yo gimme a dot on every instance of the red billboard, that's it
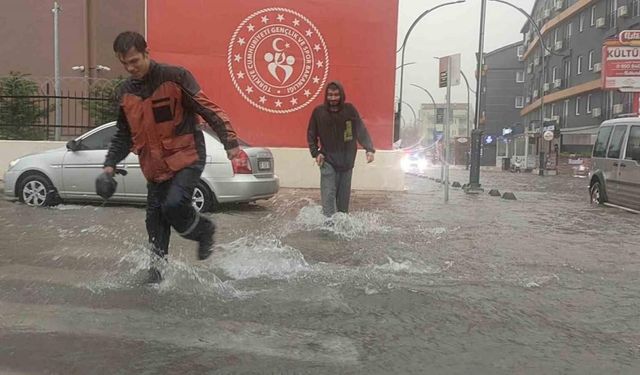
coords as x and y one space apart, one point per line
267 62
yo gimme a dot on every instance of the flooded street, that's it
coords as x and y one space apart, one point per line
405 284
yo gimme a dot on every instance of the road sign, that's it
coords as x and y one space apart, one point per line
445 74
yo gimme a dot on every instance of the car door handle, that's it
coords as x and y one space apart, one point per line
615 164
623 165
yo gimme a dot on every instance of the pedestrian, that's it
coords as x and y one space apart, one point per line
338 126
159 110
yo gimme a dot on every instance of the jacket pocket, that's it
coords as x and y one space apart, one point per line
180 152
162 110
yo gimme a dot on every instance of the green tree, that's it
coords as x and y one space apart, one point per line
103 105
21 114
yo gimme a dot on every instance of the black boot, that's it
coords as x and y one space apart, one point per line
154 277
205 241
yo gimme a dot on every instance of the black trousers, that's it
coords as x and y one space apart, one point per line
169 205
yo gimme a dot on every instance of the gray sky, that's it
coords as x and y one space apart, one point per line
446 31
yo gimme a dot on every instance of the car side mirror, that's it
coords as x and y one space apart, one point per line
635 154
73 145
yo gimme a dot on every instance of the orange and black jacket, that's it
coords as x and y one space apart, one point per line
158 121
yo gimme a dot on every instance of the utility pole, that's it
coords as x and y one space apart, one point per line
56 62
447 131
474 186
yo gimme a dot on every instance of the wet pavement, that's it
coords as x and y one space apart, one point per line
405 284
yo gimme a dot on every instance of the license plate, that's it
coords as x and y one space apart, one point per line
264 165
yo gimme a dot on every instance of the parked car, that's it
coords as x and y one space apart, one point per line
69 173
614 178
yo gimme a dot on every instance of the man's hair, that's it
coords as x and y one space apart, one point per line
125 40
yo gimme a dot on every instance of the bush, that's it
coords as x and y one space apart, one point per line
21 114
103 107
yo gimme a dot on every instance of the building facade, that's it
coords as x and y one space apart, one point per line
562 86
501 99
86 31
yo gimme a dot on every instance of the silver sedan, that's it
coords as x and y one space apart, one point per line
69 173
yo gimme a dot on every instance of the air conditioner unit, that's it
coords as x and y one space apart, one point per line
546 13
535 93
558 45
601 23
558 4
595 112
623 11
557 83
545 87
555 118
618 108
597 67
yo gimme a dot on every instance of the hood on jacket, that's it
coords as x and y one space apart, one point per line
338 85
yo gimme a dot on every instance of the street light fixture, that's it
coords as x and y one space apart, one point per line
404 44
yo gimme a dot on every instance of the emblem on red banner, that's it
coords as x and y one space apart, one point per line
278 60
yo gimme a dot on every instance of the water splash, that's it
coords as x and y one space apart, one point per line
410 267
349 226
131 271
259 256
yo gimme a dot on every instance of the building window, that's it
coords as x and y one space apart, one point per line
613 13
520 51
579 65
578 106
553 109
636 8
519 77
591 59
566 111
581 26
570 29
556 35
519 101
567 72
589 103
593 15
554 73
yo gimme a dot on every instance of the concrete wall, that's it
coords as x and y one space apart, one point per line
294 166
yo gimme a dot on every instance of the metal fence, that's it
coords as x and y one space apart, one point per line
33 117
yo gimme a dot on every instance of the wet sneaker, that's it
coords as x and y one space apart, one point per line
154 277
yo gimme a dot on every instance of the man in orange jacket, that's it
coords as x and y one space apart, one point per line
158 121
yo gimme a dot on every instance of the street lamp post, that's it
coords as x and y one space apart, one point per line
404 44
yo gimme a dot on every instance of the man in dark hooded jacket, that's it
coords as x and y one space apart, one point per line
338 126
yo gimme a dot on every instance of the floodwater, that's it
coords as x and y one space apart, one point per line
404 284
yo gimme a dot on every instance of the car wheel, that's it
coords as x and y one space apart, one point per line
597 197
203 199
37 191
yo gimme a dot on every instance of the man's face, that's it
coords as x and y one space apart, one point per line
333 97
135 63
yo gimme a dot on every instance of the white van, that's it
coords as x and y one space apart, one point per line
615 172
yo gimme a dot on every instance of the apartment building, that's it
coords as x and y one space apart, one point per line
562 85
501 99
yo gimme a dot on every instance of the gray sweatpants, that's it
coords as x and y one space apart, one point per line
335 189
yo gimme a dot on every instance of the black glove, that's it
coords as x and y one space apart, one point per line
106 185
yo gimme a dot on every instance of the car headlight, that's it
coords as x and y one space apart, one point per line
13 163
